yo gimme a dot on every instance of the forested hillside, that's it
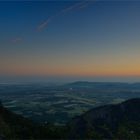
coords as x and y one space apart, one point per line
121 121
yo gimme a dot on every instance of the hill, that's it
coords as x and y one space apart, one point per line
13 126
103 85
121 121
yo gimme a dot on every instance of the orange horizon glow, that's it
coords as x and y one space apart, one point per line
75 71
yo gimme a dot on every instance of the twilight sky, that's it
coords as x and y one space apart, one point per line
70 38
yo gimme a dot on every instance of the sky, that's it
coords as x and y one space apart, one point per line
96 40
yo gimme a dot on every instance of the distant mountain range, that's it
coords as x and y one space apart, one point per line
102 85
121 121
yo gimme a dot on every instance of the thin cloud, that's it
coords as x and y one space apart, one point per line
16 40
78 5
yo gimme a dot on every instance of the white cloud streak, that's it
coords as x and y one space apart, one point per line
78 5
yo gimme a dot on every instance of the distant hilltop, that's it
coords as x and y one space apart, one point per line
100 85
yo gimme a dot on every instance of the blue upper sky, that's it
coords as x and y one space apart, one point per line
70 38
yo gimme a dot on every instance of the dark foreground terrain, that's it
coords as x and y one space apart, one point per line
121 121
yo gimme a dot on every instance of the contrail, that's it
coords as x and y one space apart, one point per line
84 6
77 5
63 11
44 24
